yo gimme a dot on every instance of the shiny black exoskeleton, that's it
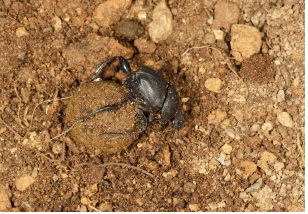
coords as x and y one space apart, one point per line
154 96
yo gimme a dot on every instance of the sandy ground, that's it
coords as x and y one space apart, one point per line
238 67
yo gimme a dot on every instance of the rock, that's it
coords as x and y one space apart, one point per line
189 187
58 148
105 207
230 132
56 23
226 14
266 159
264 198
249 167
278 166
226 149
194 207
256 186
267 127
21 31
24 182
109 12
85 201
227 177
245 41
170 174
216 116
255 127
213 84
280 96
167 155
36 141
268 156
285 119
161 26
5 203
145 46
219 34
258 18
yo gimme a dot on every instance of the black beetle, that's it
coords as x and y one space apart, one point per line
153 95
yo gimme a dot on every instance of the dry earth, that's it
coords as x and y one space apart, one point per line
238 67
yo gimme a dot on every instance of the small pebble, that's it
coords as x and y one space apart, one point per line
189 187
266 127
285 119
245 41
230 132
216 116
280 96
24 182
255 127
5 202
21 31
56 23
256 186
249 167
171 174
226 14
161 26
213 84
227 149
109 12
194 207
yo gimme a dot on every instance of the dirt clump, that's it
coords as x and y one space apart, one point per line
257 69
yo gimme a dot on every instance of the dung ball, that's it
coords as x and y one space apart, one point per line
89 134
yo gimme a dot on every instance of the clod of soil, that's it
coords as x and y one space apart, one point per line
257 69
129 29
88 134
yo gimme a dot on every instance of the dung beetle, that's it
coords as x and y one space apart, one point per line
153 95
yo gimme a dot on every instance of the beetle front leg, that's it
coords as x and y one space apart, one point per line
99 71
123 65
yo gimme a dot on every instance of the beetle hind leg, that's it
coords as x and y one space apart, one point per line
112 107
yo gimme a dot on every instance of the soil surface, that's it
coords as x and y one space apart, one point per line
242 145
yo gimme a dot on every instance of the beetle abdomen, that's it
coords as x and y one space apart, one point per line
170 106
152 87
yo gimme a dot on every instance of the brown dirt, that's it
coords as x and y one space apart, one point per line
240 149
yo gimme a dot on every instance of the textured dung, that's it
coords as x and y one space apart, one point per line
91 96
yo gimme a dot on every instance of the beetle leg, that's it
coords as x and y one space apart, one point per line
142 119
98 72
123 64
105 108
178 120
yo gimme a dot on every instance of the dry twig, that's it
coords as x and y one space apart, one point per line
11 129
45 101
